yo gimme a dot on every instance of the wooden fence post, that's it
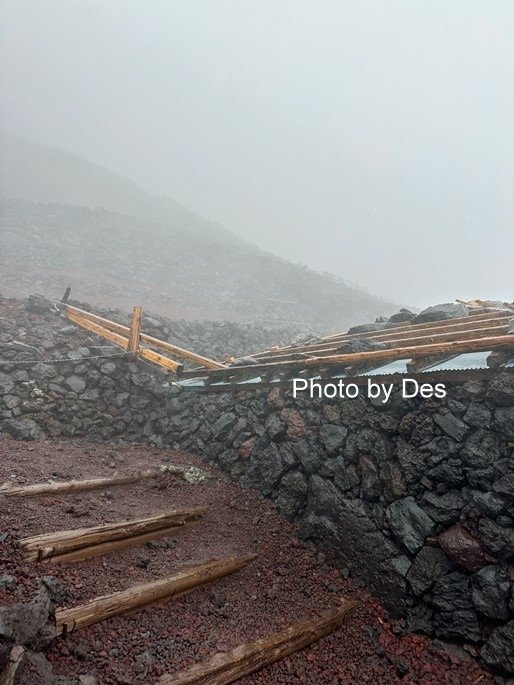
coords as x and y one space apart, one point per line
135 331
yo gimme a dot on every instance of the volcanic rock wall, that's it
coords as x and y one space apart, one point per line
416 496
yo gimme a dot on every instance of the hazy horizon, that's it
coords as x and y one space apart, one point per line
372 141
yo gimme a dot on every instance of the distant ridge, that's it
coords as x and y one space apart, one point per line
65 221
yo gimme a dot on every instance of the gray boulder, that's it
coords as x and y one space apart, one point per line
332 437
22 429
429 565
441 312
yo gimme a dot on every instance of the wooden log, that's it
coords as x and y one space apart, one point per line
135 331
227 667
144 594
54 488
189 473
107 547
52 545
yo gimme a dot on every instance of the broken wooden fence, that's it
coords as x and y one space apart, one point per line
130 338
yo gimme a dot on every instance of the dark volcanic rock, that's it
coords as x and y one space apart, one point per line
463 548
498 651
403 316
441 312
429 565
22 429
332 437
491 589
291 494
409 523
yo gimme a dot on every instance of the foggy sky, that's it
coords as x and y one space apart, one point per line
371 139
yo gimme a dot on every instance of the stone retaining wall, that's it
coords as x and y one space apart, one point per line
416 496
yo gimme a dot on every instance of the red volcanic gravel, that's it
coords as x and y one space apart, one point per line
288 580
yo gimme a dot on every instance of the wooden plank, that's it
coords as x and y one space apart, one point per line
455 347
135 331
144 594
116 338
160 360
182 353
472 319
46 545
389 336
227 667
402 342
150 340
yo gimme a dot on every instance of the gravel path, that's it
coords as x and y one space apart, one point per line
287 581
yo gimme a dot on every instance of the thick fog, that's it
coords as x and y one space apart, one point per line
371 139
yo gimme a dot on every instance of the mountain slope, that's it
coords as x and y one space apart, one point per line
64 222
43 174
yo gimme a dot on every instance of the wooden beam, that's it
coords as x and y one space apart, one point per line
160 360
227 667
144 594
182 353
135 331
402 342
150 340
455 347
57 545
471 319
84 322
390 336
122 341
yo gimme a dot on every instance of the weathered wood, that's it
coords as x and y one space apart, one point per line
144 594
56 544
107 547
135 331
76 485
227 667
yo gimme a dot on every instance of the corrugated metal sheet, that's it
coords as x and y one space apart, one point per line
462 362
397 366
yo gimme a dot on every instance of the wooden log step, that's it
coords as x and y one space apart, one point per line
54 487
80 543
227 667
145 594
